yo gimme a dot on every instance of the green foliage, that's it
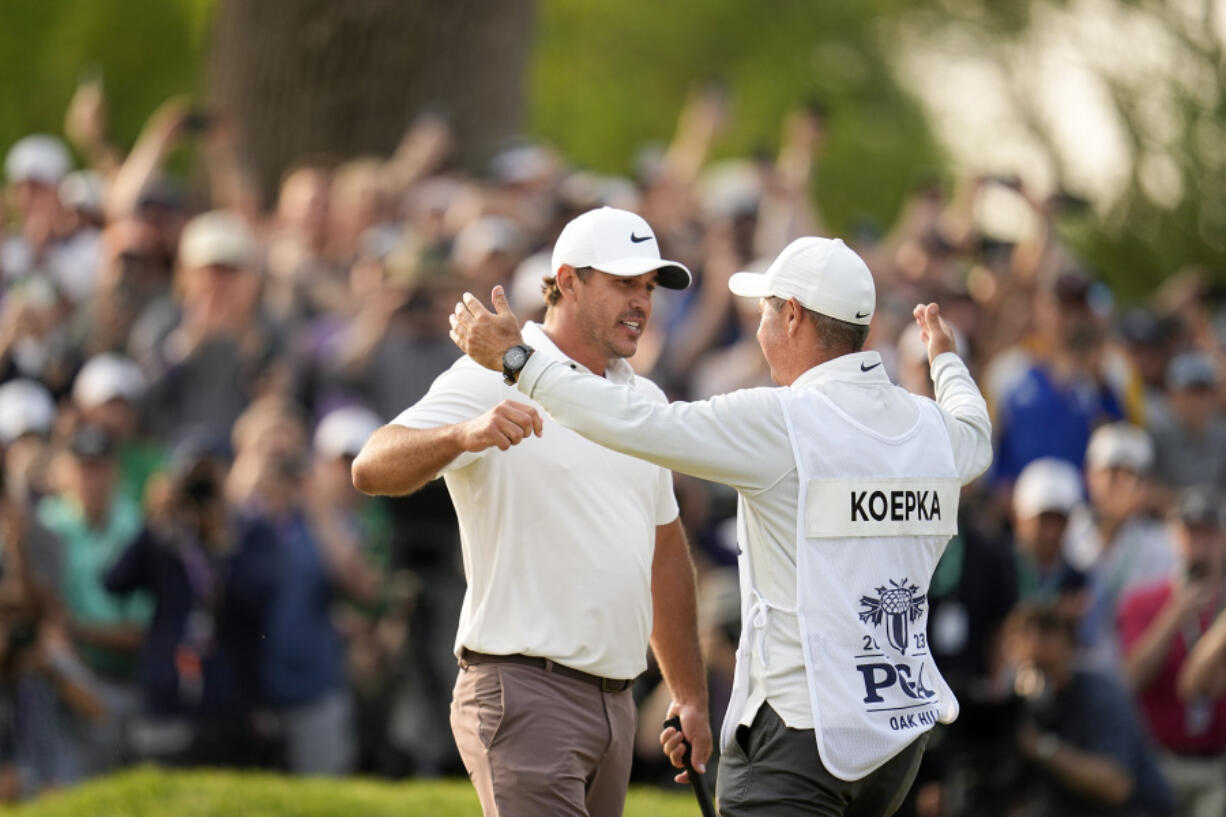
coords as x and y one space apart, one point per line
610 77
145 50
150 792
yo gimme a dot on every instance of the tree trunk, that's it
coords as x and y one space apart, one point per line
344 77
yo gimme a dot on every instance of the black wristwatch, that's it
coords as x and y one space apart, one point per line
514 360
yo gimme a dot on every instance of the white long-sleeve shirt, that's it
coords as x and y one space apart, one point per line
740 439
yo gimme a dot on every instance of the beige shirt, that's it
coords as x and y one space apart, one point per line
558 533
741 439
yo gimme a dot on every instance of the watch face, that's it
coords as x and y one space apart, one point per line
515 357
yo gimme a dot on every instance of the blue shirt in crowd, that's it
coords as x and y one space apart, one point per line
302 651
1039 417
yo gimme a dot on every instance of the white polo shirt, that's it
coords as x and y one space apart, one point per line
558 533
741 439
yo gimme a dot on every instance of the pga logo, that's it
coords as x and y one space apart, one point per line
879 677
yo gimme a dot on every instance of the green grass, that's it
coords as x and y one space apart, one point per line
148 792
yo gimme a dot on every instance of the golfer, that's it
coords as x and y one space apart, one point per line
574 553
848 495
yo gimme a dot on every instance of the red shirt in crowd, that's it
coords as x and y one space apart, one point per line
1195 727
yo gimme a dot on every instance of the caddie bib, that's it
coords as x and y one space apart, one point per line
875 514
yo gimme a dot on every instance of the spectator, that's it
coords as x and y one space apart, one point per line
302 661
1159 624
133 271
1086 748
208 571
1115 540
1047 491
209 353
35 166
1190 443
27 415
96 522
109 392
1051 404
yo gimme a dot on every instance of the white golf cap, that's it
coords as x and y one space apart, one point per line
344 431
824 274
107 377
216 238
1120 445
1047 485
26 407
82 190
617 242
37 158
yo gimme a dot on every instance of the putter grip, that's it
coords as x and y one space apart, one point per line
696 781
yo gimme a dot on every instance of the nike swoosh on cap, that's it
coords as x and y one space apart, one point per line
639 239
864 368
860 315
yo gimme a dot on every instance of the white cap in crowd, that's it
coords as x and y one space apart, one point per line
344 431
1120 445
482 237
82 190
525 291
1190 370
37 158
26 407
216 238
824 274
617 242
1047 485
107 377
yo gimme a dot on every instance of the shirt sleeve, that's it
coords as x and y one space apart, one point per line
457 395
739 439
666 499
966 415
132 570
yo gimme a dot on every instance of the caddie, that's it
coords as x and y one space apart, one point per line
849 490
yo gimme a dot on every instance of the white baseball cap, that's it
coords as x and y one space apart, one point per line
216 238
1047 485
26 407
824 274
106 377
37 158
1120 445
344 431
82 190
617 242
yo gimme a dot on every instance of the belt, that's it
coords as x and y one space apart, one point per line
469 658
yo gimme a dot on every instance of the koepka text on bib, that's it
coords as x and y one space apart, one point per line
846 508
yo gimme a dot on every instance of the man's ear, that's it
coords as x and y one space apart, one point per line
793 316
566 279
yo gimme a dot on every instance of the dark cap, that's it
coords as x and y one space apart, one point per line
199 444
1199 506
91 442
1140 327
1072 287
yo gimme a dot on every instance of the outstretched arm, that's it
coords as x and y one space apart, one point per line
737 439
966 412
397 460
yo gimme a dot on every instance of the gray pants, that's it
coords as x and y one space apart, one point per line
773 769
319 735
537 743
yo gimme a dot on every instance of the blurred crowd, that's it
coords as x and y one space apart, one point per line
187 575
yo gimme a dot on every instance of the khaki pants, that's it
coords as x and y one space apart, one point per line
1199 784
537 743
